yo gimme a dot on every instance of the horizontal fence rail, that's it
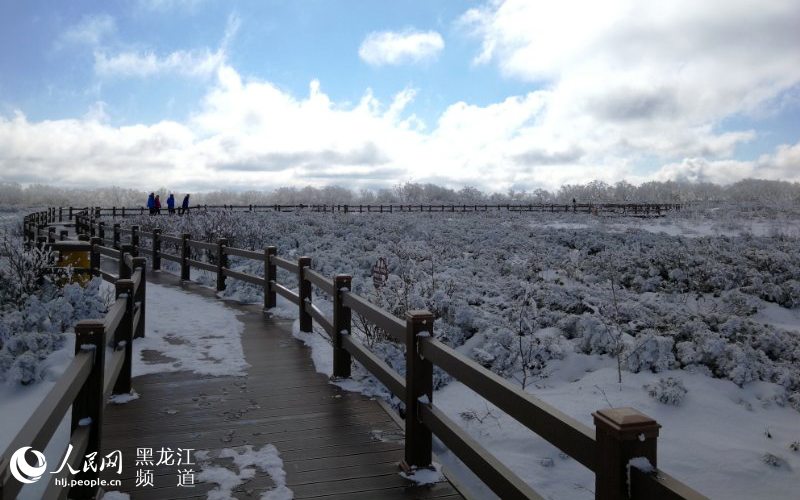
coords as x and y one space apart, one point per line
619 434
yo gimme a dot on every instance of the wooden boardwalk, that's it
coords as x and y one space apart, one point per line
333 443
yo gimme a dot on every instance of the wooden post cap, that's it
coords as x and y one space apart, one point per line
419 315
626 423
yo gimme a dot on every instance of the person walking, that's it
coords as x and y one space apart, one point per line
157 205
151 203
185 204
171 204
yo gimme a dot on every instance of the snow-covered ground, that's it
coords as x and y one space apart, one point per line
724 440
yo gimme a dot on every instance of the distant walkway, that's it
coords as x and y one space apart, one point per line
333 443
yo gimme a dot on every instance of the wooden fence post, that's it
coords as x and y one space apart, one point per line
70 213
123 337
270 277
87 410
304 292
101 232
113 212
135 240
140 297
51 234
124 270
622 434
94 255
419 385
342 317
222 261
185 257
115 243
60 214
156 249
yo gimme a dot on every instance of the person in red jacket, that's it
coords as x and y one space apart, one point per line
158 205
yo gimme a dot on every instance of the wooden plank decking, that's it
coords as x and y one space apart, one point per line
334 444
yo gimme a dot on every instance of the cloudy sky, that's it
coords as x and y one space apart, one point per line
204 94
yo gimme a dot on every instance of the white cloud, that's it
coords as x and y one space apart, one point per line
783 164
632 79
392 47
97 112
165 5
249 134
91 30
192 63
202 63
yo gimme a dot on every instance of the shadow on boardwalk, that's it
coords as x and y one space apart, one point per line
333 443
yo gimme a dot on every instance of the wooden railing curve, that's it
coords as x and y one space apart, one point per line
88 380
619 435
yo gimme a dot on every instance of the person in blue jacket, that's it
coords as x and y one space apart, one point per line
151 203
171 203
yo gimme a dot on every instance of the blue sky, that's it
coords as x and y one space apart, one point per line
495 94
286 42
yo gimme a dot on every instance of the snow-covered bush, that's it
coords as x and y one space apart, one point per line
669 391
594 336
650 352
676 301
25 369
23 272
35 312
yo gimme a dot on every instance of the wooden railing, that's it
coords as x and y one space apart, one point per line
67 214
618 436
88 380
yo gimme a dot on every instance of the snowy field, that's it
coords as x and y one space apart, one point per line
700 309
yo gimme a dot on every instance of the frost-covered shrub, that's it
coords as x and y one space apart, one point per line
594 336
23 272
25 369
650 352
794 400
740 303
6 360
669 391
471 269
35 312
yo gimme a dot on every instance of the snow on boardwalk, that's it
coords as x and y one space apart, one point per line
219 379
185 331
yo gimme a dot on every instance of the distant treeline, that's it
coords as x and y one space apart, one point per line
748 190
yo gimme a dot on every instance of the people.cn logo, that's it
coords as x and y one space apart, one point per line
22 470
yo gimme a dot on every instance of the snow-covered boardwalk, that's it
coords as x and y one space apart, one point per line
278 430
